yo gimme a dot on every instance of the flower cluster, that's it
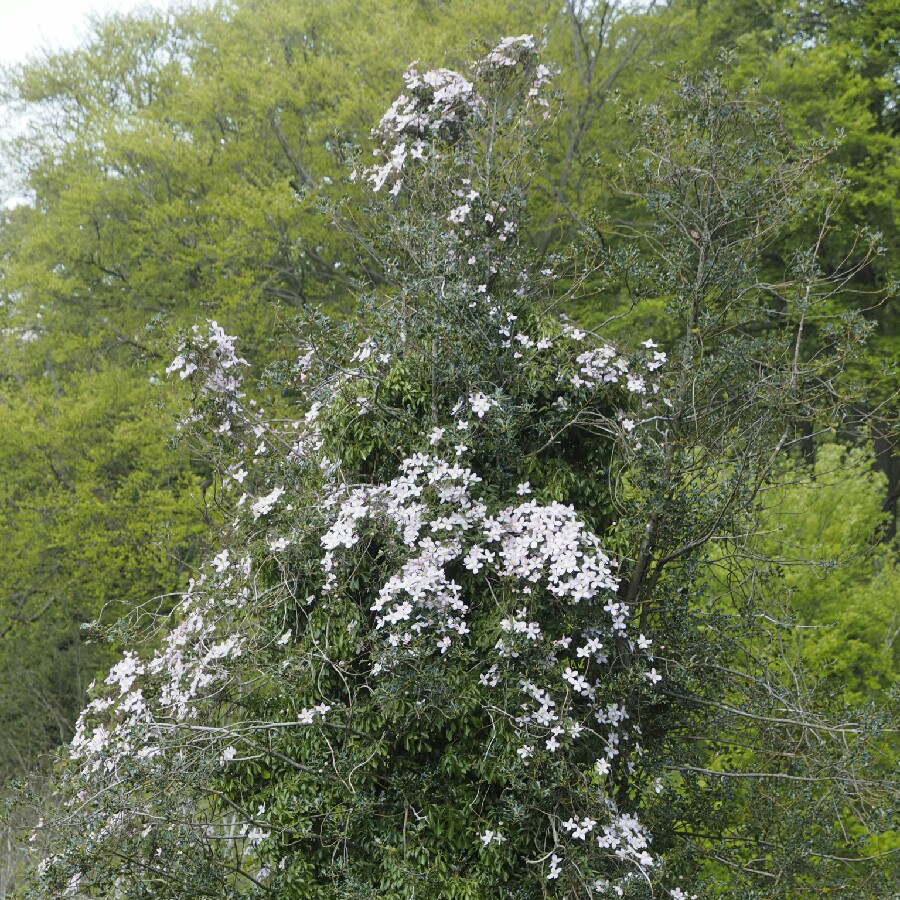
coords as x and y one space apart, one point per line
603 365
435 104
511 51
439 521
538 552
155 695
438 104
521 51
215 353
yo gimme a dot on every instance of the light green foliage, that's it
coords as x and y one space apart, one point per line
839 581
177 180
167 180
96 518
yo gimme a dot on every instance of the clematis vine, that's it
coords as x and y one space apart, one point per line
420 608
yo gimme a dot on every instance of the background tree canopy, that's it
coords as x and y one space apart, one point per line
194 165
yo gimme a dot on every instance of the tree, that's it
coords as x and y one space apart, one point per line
832 67
462 638
760 362
167 184
88 517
